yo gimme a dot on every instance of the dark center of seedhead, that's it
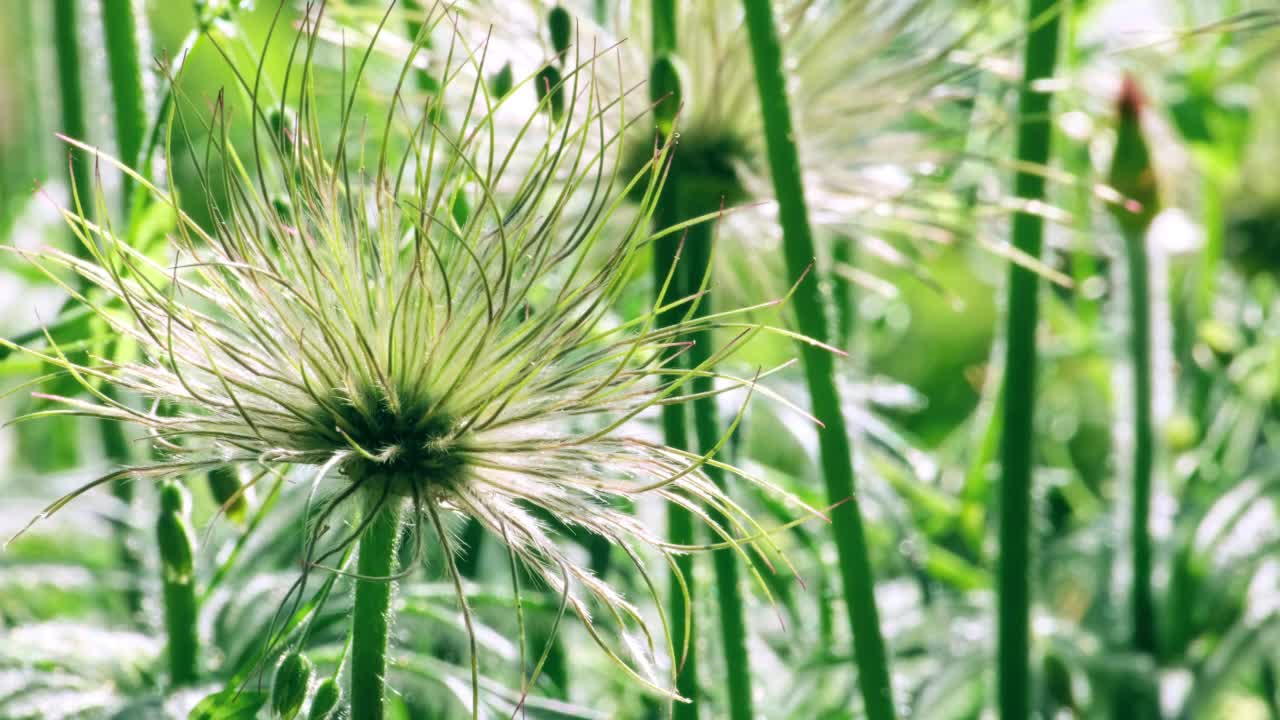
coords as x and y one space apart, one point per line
704 170
410 444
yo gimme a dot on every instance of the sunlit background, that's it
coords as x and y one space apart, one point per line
921 319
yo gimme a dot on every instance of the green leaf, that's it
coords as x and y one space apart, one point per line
229 705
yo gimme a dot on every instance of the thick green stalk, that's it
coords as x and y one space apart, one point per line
177 561
1016 456
371 616
120 27
71 100
834 444
732 616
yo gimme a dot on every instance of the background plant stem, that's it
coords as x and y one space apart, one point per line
835 448
842 253
120 32
176 542
732 616
71 101
1143 604
120 28
675 434
181 623
675 431
371 616
1016 448
664 26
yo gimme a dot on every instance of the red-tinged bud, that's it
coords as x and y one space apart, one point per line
1132 174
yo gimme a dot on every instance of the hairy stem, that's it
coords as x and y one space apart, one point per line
1016 456
675 434
120 27
835 448
177 553
71 101
1133 176
1143 604
664 26
115 446
732 616
842 292
371 616
130 117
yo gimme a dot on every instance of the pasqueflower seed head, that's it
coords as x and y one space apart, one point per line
883 96
364 302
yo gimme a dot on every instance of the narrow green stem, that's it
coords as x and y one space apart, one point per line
834 443
1133 176
71 100
664 26
675 434
120 27
1214 220
180 619
1267 679
976 486
732 616
123 58
371 616
1016 456
26 162
177 543
1143 604
1212 214
115 445
842 253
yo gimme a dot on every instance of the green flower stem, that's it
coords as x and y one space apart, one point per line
1213 219
1018 438
733 626
675 434
120 28
664 27
71 101
371 617
177 553
675 430
842 253
1133 177
1143 603
835 449
115 445
130 117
